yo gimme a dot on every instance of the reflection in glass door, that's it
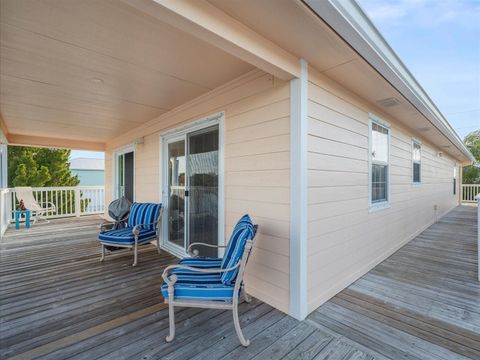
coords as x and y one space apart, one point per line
176 193
192 190
125 175
203 188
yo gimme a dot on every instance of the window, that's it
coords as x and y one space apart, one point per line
416 161
379 162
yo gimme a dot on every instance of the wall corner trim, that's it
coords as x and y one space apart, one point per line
298 193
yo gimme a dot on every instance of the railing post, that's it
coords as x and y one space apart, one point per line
478 235
77 202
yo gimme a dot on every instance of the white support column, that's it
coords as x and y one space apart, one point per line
298 193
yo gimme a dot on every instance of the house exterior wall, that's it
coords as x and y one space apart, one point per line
89 177
257 170
345 240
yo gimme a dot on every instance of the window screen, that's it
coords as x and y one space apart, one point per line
379 157
416 158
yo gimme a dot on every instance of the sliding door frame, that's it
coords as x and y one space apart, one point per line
116 153
177 134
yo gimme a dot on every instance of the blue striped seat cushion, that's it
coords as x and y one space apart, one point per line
242 232
202 262
125 236
144 213
203 287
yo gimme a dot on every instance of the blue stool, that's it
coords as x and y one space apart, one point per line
17 218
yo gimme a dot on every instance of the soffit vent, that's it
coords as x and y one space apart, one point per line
388 102
423 129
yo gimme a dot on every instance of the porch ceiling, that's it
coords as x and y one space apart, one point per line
91 70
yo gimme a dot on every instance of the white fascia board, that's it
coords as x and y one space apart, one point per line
348 20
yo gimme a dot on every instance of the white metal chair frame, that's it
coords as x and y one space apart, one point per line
239 291
37 208
136 232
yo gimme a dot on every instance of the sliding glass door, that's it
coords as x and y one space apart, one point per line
203 188
124 177
191 189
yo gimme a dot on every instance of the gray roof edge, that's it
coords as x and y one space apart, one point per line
350 21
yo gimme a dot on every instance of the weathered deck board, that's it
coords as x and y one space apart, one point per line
422 302
58 301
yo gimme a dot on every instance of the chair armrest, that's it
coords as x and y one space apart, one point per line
136 230
173 278
51 204
106 225
194 253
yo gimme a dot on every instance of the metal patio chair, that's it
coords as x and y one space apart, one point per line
38 209
198 284
143 226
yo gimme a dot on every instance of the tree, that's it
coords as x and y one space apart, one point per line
39 167
42 167
471 174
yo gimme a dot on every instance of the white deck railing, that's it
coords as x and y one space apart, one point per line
68 201
469 192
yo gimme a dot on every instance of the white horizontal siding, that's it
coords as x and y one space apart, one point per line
257 170
345 239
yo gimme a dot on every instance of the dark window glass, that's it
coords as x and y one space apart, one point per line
416 172
416 157
379 183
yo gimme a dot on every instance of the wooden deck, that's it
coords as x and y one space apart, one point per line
58 301
421 303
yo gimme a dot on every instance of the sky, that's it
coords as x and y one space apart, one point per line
87 154
439 42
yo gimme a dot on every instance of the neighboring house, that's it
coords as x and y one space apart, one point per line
296 112
91 172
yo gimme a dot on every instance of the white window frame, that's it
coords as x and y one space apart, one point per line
455 182
419 143
376 206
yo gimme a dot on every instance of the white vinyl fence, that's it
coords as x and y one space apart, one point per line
68 201
470 192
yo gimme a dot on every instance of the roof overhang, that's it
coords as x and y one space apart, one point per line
351 23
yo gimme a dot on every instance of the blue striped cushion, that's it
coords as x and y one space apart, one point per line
242 232
144 213
125 236
200 288
204 263
233 239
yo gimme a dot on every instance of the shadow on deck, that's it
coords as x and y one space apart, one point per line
58 301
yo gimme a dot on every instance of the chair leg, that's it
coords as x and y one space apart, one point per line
135 254
103 253
238 329
158 245
171 315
